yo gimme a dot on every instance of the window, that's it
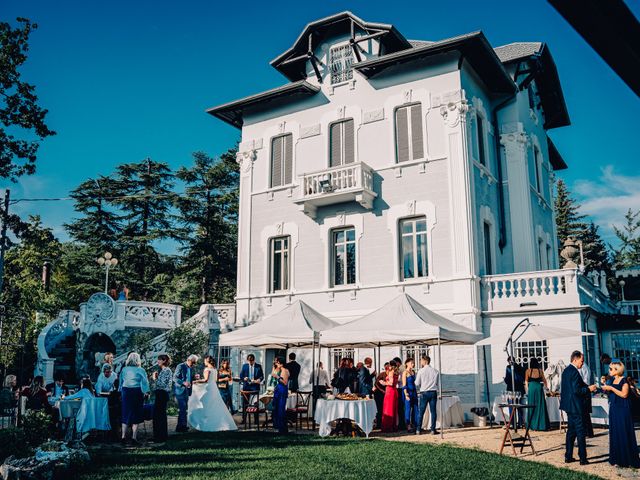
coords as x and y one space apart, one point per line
538 173
338 354
279 268
415 352
541 251
225 353
342 140
281 160
481 153
409 143
626 347
525 351
549 257
413 248
532 97
344 256
341 64
488 260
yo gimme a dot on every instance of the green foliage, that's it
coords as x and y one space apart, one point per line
185 340
13 442
628 254
20 113
37 427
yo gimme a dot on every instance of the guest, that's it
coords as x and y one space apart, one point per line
252 376
515 384
322 383
9 394
183 378
345 376
86 391
164 384
634 398
533 381
410 395
390 403
294 371
225 383
427 382
134 385
605 360
401 423
378 393
37 398
57 389
365 377
623 448
106 381
280 395
585 373
572 402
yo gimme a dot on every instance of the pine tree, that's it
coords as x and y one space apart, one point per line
209 211
145 199
569 222
628 254
596 253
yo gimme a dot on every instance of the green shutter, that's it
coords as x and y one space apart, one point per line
276 162
402 134
336 145
417 144
349 142
288 158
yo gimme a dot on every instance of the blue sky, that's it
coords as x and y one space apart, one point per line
127 80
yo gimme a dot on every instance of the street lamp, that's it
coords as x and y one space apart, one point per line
107 261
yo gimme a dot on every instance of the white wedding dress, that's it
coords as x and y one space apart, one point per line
207 411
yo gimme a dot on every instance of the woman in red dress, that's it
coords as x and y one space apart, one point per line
390 403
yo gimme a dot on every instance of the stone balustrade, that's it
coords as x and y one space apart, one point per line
630 307
151 314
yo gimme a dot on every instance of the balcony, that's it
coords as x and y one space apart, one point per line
347 183
630 307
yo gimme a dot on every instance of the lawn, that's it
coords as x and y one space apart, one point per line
245 455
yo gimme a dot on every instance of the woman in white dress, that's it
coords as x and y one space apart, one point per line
207 410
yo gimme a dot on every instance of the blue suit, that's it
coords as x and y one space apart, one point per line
573 397
245 372
183 373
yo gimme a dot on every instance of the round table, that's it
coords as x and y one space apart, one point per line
362 412
452 413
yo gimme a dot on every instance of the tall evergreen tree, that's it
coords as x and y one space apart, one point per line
569 222
99 226
628 253
596 253
145 199
209 211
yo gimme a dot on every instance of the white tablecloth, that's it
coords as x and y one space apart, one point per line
292 400
451 411
93 415
362 412
599 411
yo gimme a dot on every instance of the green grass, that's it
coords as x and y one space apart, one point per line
244 455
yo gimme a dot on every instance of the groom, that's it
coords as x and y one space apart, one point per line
182 380
251 376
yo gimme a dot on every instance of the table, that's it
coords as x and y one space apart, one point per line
526 438
267 398
362 412
452 413
599 411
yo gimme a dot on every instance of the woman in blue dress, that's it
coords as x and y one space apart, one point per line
280 395
623 448
410 395
134 385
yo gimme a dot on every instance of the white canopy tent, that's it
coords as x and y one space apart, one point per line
402 321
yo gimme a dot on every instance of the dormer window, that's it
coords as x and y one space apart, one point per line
341 64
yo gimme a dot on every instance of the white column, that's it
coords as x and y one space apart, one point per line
245 160
515 142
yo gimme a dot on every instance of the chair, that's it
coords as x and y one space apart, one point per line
252 409
302 409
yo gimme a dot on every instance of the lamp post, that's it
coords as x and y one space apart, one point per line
107 261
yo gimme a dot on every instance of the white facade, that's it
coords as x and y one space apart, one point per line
449 178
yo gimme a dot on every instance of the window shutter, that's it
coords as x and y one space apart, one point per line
276 162
349 142
336 145
402 135
288 159
417 144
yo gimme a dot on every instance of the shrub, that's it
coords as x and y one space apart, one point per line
13 442
37 427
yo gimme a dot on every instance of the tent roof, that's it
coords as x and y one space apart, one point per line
293 326
401 321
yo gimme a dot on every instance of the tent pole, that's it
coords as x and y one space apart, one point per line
440 388
486 385
313 369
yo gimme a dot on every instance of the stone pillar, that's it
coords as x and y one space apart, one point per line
245 160
515 142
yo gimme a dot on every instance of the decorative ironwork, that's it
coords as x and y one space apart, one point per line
341 64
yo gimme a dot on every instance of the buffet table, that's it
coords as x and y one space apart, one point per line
452 414
362 412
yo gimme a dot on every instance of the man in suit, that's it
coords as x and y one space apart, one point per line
365 377
573 396
251 376
294 372
182 381
515 383
57 388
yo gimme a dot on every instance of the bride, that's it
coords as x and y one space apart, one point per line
207 411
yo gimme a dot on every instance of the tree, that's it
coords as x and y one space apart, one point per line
596 253
146 199
98 227
20 114
209 211
628 254
569 222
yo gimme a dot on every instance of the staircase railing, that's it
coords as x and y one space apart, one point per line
63 326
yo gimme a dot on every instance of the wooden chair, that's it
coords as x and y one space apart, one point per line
302 410
252 409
